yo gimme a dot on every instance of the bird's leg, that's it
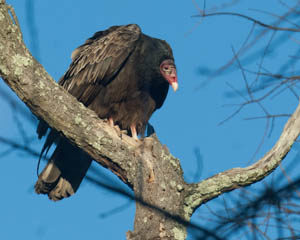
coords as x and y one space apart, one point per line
133 132
116 127
111 122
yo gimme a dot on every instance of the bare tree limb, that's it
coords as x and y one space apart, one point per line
20 70
239 177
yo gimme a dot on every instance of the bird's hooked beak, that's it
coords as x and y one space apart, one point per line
168 70
174 86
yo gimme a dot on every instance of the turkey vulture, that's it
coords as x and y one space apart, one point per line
121 74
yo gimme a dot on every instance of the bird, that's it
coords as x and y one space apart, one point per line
123 75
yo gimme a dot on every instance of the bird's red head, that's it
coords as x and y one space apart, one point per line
168 70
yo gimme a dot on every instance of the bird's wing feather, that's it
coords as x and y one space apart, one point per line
98 60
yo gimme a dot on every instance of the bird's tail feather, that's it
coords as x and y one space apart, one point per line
64 172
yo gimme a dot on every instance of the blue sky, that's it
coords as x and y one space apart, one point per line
188 120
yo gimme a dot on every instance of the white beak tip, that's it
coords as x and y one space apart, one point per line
174 86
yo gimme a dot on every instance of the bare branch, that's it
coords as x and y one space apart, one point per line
248 46
16 146
276 16
238 177
248 18
20 70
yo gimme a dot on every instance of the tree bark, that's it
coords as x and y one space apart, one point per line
165 202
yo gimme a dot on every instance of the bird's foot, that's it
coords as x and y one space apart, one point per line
133 132
111 122
117 129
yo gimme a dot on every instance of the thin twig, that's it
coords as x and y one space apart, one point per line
248 18
16 21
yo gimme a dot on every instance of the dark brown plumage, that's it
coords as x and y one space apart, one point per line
121 74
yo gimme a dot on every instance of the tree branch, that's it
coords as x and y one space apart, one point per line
203 14
28 79
241 177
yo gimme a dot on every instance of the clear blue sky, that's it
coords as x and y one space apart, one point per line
188 119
